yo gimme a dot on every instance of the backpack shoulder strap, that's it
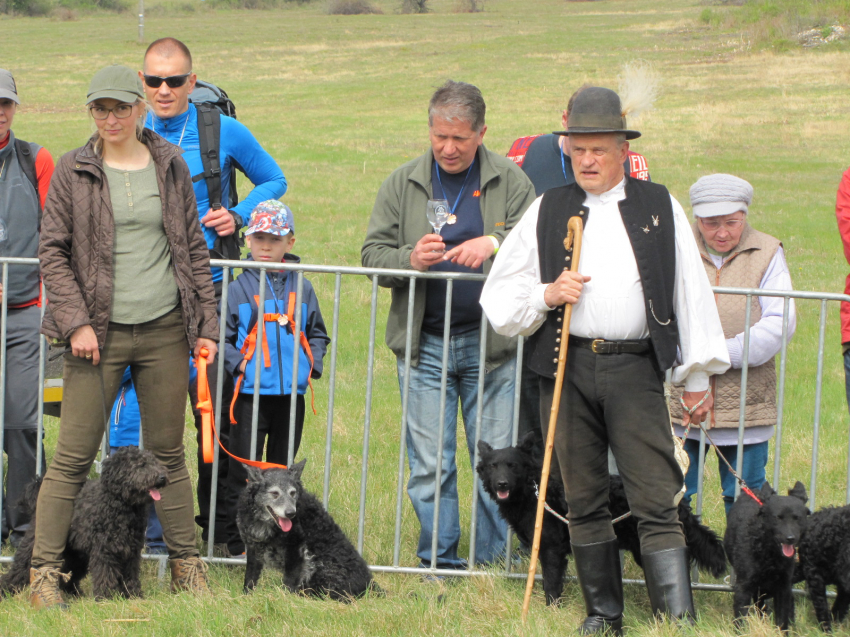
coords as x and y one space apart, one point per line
209 135
26 160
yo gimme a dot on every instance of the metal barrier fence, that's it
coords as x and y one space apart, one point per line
417 279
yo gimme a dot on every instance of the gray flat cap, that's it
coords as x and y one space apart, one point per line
8 90
720 194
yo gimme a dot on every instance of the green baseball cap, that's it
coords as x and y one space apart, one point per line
116 82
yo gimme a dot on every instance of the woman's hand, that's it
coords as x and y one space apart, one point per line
212 348
84 344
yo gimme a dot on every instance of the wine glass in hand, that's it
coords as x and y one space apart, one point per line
438 213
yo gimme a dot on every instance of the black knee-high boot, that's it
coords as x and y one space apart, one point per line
668 581
601 580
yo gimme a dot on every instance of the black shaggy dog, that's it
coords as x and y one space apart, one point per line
510 477
286 527
825 559
761 540
107 528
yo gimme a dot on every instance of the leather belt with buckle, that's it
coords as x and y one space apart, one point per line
601 346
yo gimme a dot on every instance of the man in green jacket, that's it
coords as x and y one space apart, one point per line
485 195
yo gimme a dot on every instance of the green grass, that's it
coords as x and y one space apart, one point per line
340 101
775 24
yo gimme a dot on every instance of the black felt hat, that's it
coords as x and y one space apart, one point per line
597 110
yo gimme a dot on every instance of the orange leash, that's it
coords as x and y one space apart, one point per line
205 406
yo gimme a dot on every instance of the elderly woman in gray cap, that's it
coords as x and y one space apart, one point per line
737 255
127 276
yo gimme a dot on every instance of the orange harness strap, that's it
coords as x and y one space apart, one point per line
205 406
250 346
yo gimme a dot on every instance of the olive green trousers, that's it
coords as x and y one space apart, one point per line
157 353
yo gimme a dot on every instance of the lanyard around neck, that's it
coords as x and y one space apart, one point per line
563 164
460 194
183 132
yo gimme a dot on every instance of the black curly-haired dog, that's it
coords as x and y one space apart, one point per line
825 559
285 527
510 477
107 528
761 541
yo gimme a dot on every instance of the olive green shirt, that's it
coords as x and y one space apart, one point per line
144 287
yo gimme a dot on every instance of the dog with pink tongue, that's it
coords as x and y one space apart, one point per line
762 533
286 527
107 531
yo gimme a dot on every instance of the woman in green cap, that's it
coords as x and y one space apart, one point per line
126 272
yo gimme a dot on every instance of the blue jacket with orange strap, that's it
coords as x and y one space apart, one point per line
277 350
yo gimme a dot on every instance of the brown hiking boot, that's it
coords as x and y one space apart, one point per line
189 575
44 588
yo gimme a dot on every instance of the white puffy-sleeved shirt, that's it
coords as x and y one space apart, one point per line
611 305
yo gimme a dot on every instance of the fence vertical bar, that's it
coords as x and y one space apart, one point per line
447 322
326 486
701 468
258 358
216 417
402 445
515 433
745 362
780 394
479 418
818 389
4 313
296 356
39 446
847 489
367 418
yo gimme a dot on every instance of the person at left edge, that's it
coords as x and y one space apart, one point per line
488 195
21 201
169 79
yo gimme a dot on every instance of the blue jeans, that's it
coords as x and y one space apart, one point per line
423 419
752 471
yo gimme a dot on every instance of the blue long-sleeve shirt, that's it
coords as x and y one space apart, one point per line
237 144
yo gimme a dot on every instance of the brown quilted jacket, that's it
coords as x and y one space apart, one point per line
77 239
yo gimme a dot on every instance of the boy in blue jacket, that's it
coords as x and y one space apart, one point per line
270 237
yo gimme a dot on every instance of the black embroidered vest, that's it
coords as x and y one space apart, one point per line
648 217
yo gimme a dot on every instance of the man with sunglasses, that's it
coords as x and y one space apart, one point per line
737 255
168 82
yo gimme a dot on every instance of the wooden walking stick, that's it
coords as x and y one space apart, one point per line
574 228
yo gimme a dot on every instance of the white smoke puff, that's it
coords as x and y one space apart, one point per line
639 86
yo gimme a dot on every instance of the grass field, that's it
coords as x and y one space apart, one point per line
340 101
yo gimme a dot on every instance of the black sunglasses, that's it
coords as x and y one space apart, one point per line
173 81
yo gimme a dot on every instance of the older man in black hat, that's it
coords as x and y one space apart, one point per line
641 304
